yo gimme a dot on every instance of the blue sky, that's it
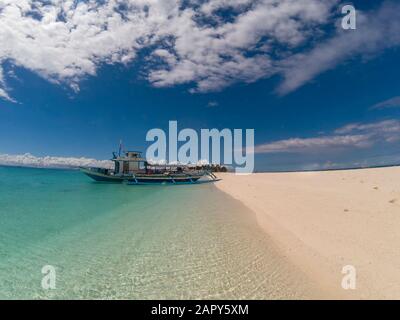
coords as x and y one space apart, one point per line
316 95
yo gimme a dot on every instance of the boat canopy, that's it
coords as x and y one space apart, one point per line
130 156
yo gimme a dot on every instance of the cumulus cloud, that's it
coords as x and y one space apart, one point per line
29 160
355 135
63 41
208 44
218 54
390 103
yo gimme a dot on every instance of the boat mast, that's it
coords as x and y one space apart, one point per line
120 148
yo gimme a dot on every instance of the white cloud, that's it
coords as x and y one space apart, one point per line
390 103
190 42
354 135
63 41
3 92
375 32
217 56
29 160
388 129
212 104
313 144
5 96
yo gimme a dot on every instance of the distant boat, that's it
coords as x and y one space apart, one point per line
134 169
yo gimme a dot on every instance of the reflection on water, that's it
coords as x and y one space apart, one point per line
134 242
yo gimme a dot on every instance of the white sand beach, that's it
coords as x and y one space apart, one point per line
323 221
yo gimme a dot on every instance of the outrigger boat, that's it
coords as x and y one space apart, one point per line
134 169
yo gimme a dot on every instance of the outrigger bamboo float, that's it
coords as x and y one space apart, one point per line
133 169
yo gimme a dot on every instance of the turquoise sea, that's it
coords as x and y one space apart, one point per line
111 241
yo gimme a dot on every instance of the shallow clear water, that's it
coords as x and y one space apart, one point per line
111 241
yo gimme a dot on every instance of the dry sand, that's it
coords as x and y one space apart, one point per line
324 221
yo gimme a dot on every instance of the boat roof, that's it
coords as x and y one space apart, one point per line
167 165
129 159
175 165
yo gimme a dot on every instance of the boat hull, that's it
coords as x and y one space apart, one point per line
169 180
101 177
142 178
